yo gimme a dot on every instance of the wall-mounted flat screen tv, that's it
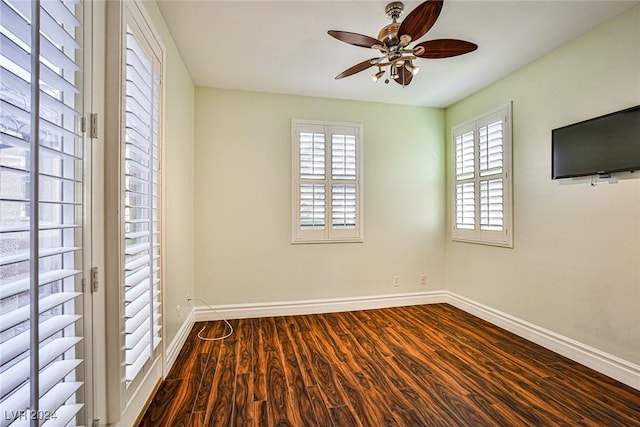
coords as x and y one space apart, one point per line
599 146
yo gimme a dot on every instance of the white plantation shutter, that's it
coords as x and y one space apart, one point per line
483 179
312 173
41 211
491 147
343 206
465 155
491 205
141 180
465 206
343 169
326 204
312 155
312 206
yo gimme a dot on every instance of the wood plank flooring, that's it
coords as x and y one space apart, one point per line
431 365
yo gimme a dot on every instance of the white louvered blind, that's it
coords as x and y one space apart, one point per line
326 187
141 222
41 213
482 179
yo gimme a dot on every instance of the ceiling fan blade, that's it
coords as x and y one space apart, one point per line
357 68
404 76
354 38
421 19
445 48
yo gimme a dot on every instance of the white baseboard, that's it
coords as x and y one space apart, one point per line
292 308
173 349
607 364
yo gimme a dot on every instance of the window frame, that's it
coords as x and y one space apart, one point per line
504 237
329 233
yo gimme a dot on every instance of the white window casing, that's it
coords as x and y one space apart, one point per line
482 176
326 182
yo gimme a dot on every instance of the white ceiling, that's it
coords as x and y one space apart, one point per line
283 46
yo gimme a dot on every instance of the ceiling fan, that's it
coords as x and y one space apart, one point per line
394 39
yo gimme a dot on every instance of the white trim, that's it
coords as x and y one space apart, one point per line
612 366
139 399
332 305
173 349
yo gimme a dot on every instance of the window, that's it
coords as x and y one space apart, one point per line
41 213
134 231
482 199
326 188
141 188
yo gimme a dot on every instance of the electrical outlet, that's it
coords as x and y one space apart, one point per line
188 298
396 281
178 311
423 279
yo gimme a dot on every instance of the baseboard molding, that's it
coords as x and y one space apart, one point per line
333 305
607 364
173 349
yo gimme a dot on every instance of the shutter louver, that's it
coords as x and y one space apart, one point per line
56 203
141 282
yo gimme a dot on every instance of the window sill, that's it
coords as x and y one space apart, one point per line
323 241
501 244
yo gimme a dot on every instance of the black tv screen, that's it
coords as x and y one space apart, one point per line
598 146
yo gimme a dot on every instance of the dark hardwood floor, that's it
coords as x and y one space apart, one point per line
431 365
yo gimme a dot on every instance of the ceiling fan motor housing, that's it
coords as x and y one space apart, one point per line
389 33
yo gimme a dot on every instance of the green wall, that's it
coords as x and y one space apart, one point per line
243 201
575 265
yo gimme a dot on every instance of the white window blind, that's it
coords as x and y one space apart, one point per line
41 213
483 179
326 181
142 214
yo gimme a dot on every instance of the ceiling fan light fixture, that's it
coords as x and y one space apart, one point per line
394 72
413 68
377 75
